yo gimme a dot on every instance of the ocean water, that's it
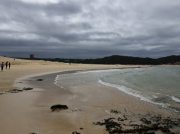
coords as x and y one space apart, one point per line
157 85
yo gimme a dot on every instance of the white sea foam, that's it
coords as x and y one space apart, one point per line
56 81
175 99
132 93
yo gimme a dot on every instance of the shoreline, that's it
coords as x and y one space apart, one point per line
29 111
19 111
49 97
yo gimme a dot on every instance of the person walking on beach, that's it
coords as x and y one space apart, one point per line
2 66
6 64
9 65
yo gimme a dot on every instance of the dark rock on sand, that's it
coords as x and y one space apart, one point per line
27 88
114 111
39 79
58 107
165 129
120 119
15 91
145 121
140 124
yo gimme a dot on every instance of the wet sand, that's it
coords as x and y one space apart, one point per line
87 104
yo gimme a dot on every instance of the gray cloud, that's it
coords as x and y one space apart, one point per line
89 29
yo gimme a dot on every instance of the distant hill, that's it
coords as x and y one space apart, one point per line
169 60
117 59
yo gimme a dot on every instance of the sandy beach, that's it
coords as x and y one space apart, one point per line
28 112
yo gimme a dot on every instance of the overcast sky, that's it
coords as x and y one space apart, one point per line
89 28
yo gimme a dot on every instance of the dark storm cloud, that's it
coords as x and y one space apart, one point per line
62 8
96 28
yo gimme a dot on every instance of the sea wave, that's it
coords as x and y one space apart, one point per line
175 99
56 80
133 93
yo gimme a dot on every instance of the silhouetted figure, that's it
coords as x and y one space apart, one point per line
2 66
9 65
6 64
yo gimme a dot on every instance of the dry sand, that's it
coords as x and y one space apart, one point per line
27 112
